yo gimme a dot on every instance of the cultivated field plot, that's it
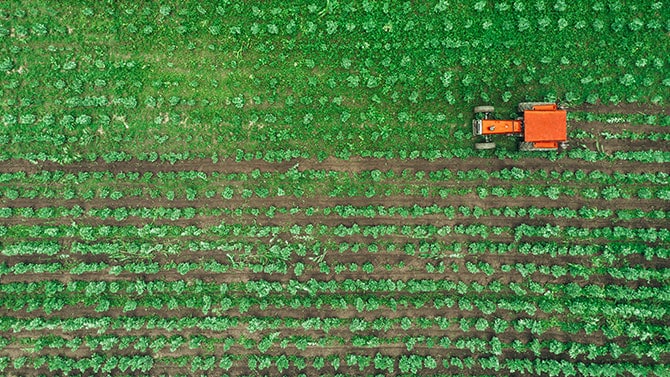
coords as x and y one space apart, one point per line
256 188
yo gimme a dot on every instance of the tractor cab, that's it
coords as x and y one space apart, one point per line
541 126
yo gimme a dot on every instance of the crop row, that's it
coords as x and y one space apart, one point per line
248 191
424 248
259 259
293 175
518 232
603 254
611 329
412 364
344 152
343 211
263 288
623 135
274 261
476 345
599 309
276 265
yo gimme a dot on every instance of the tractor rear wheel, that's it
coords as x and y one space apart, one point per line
523 106
485 146
525 146
484 109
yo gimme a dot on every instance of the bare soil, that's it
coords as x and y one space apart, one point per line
609 146
354 165
623 108
616 128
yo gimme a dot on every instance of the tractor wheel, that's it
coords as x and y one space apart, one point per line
523 106
525 146
485 146
484 109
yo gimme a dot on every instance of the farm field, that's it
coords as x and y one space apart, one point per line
290 188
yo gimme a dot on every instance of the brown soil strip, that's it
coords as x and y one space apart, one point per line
623 108
615 128
354 164
616 145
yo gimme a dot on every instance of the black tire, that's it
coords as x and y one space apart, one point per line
526 146
485 146
484 109
523 106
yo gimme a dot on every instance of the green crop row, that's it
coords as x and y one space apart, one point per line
268 265
343 152
333 189
198 178
590 302
263 288
520 231
475 345
191 325
408 365
343 211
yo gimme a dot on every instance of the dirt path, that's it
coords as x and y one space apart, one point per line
616 128
615 145
623 108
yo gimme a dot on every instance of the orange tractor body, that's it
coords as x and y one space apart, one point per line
541 126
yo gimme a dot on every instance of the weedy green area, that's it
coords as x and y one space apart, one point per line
290 188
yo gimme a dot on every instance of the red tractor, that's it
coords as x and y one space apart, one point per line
541 126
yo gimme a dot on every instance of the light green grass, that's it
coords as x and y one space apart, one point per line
386 65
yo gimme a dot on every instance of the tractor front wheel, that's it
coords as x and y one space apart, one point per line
485 146
484 109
